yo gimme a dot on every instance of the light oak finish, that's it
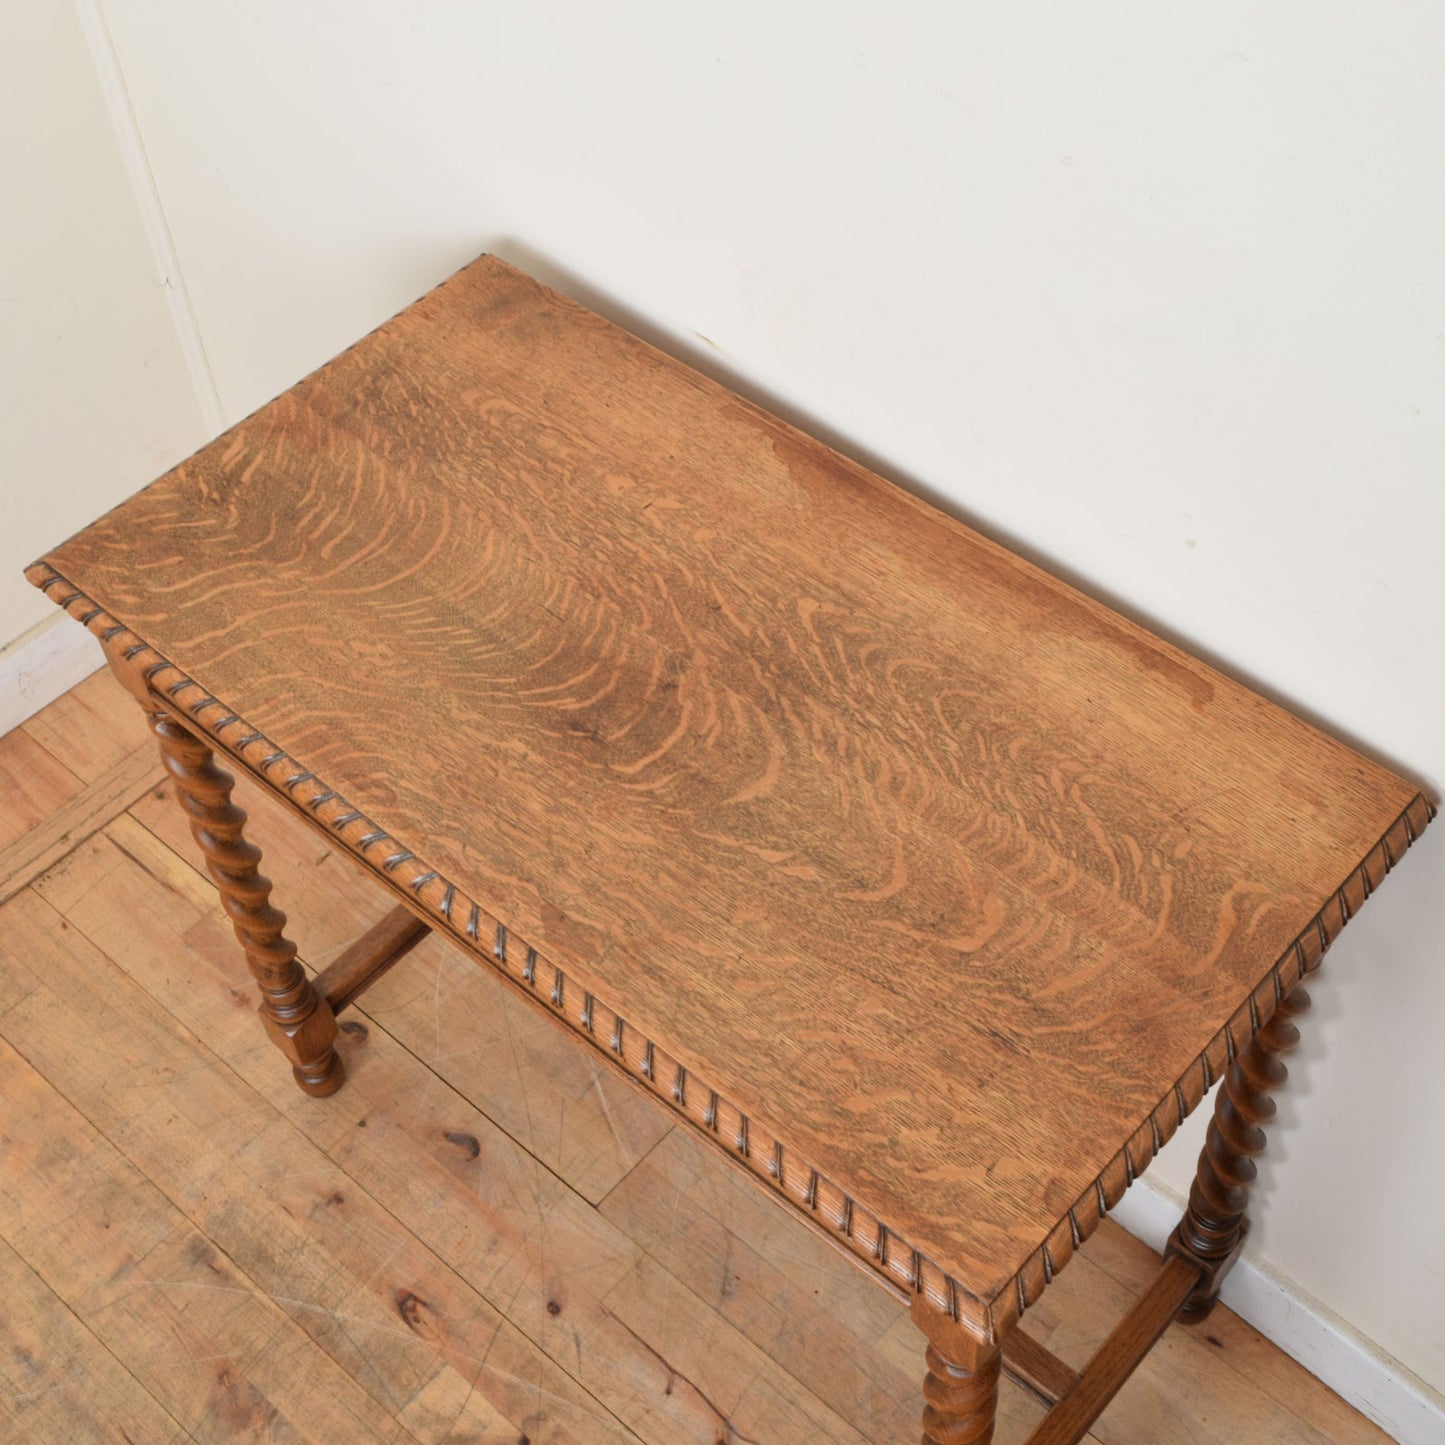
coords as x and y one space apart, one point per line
89 998
33 785
57 1381
67 771
960 1388
960 1403
1119 1355
299 1020
1037 1369
929 890
109 795
381 947
91 729
1212 1232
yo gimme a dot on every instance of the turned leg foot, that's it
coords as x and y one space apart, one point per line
299 1021
960 1390
1212 1231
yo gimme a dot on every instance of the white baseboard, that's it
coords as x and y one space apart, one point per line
1380 1388
41 664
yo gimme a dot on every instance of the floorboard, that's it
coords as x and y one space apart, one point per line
486 1236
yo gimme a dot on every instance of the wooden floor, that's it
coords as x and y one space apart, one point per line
483 1237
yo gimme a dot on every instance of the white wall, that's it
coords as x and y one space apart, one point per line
1153 290
95 394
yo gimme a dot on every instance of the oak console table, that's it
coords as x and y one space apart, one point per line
933 892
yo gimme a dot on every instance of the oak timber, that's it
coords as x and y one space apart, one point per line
952 888
1119 1356
150 1034
383 945
112 792
33 785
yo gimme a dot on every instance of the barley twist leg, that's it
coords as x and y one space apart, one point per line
959 1404
299 1020
960 1390
1215 1223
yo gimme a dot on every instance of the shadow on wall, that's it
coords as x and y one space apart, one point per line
707 360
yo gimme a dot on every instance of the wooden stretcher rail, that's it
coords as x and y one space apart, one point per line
1041 1372
1116 1359
788 592
391 938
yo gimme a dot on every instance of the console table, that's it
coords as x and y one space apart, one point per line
933 892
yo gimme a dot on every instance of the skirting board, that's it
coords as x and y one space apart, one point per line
1398 1401
40 665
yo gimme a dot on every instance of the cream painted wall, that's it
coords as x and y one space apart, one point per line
95 395
1153 290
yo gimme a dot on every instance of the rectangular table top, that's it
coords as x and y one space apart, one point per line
959 886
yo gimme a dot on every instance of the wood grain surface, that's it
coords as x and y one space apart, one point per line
951 890
412 1234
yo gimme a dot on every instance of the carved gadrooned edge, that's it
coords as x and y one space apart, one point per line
1301 958
468 921
817 1198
